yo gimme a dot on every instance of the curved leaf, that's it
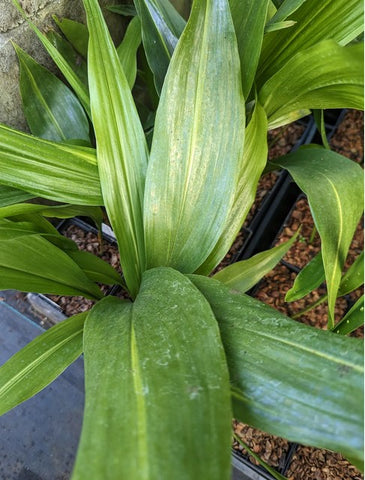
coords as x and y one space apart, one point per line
52 111
323 76
198 135
242 276
127 50
95 268
75 32
10 195
291 380
143 364
161 28
40 362
334 187
353 319
309 278
353 277
286 8
51 170
32 264
339 20
252 165
121 146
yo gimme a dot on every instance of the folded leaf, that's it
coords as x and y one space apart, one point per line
353 319
32 264
242 276
339 20
51 109
249 21
334 187
79 88
10 195
40 362
51 170
307 280
127 50
289 379
121 146
75 32
312 81
252 165
146 363
161 28
198 135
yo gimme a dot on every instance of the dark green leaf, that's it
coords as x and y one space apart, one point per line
75 32
10 195
51 170
198 135
334 187
125 10
161 29
287 8
52 111
40 362
353 277
249 21
289 379
242 276
353 319
308 279
95 268
121 146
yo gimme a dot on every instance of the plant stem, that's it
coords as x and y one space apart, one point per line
271 470
311 306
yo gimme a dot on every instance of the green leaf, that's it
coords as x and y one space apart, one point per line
312 81
52 111
73 58
32 264
75 32
161 29
51 170
334 187
95 268
308 279
10 195
249 18
40 362
339 20
121 147
54 211
79 88
125 10
288 379
287 8
273 27
353 277
242 276
252 165
198 135
143 364
321 127
353 319
127 50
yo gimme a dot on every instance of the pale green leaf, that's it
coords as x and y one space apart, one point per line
353 319
252 165
149 382
288 379
51 109
79 88
339 20
10 195
323 76
127 50
161 28
121 147
40 362
249 18
51 170
197 146
32 264
308 279
273 27
75 32
334 187
242 276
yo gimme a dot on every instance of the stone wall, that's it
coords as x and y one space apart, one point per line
14 28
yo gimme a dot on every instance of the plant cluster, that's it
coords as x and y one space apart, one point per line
172 147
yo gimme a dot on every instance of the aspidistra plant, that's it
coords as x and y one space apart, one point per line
166 372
